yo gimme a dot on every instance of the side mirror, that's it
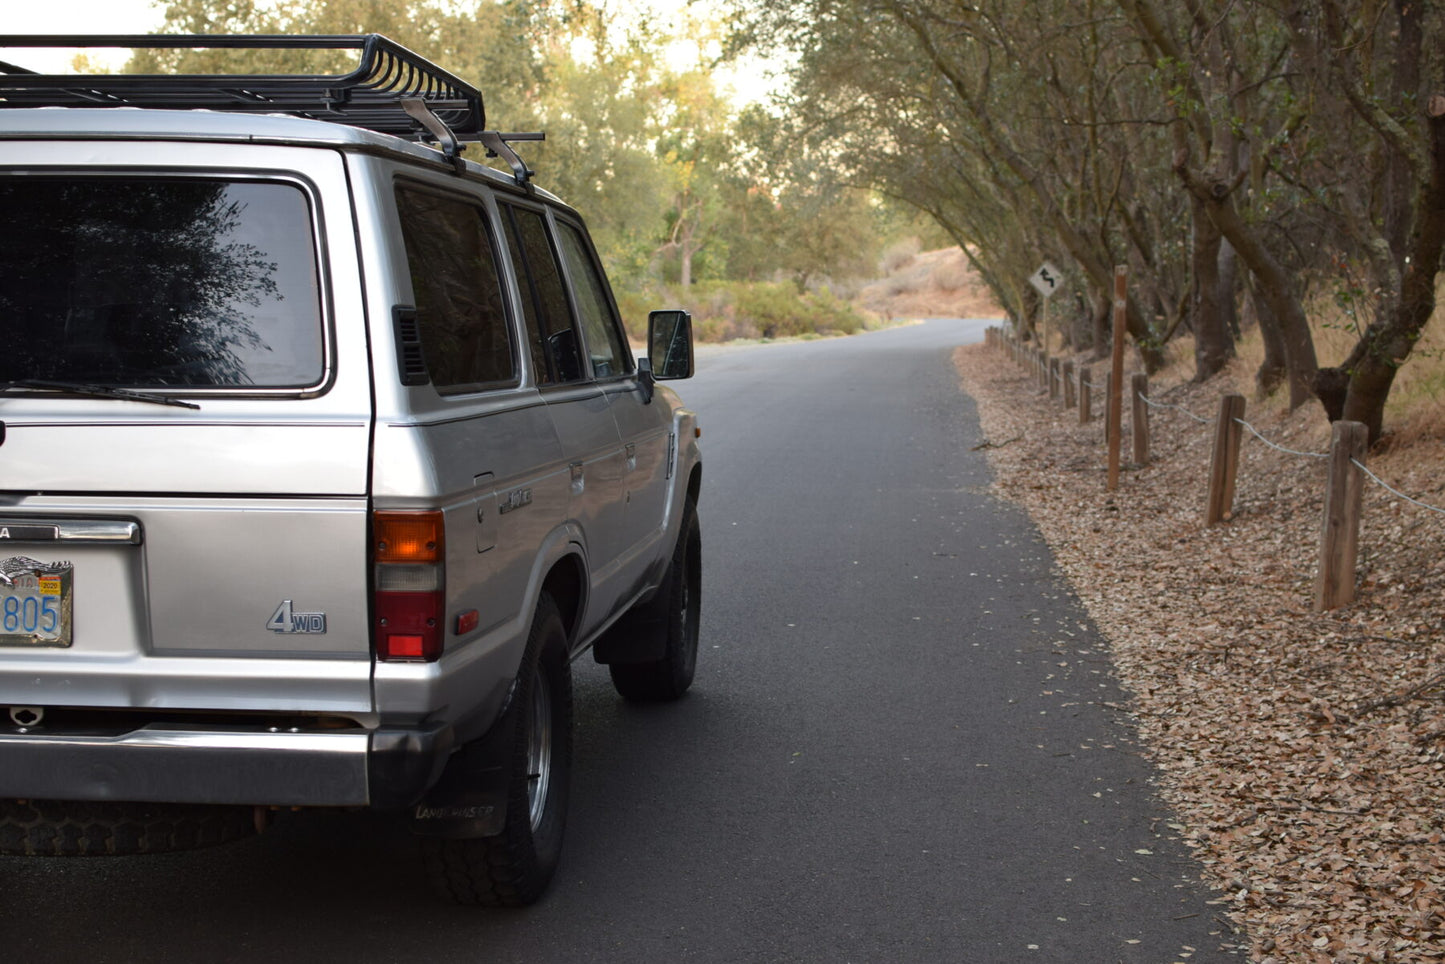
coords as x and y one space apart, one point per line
565 354
669 344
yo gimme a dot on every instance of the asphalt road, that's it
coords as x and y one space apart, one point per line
900 746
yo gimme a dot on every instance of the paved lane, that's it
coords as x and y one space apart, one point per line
898 747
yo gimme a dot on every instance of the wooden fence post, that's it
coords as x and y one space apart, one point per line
1053 378
1340 537
1066 375
1108 400
1116 377
1086 392
1224 465
1139 417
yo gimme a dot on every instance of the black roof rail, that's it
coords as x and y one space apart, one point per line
392 91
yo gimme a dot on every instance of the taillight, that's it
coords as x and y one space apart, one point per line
408 555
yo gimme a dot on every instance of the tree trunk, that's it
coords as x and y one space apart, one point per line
1276 285
1029 317
684 269
1272 370
1388 342
1399 182
1103 323
1081 323
1228 284
1213 346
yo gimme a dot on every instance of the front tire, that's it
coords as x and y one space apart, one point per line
675 612
513 868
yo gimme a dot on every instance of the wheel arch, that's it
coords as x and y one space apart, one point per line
566 583
694 484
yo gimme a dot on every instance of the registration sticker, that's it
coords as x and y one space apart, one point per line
35 602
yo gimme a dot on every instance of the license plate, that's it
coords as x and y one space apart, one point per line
35 602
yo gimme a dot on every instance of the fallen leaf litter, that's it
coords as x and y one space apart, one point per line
1303 753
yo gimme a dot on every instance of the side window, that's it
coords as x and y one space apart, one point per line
464 333
550 335
600 325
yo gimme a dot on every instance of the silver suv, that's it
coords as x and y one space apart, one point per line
323 453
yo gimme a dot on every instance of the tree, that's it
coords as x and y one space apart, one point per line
1211 95
598 104
695 144
932 102
789 210
1378 74
477 41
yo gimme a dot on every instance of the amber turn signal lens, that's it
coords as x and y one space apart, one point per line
407 537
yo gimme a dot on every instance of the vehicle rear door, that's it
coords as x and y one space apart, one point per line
576 399
213 536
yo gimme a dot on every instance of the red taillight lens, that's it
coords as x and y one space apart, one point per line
409 585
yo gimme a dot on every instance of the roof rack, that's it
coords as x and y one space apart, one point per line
392 91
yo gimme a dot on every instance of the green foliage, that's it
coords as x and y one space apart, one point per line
732 310
477 41
691 199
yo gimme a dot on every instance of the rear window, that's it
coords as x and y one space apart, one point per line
159 283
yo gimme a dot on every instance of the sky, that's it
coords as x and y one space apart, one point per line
73 16
749 80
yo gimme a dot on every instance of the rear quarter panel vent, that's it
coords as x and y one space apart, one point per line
410 357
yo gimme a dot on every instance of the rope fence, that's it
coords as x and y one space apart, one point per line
1347 472
1181 409
1394 491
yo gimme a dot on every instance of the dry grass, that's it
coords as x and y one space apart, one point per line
928 284
1303 752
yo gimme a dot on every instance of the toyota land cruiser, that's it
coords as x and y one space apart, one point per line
323 453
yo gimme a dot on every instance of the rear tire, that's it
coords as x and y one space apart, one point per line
679 607
65 828
513 868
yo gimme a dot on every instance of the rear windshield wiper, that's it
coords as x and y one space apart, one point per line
95 391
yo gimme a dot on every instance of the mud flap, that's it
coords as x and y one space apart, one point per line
470 799
640 636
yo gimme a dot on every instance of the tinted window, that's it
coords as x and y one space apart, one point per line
605 344
550 323
154 283
531 300
464 332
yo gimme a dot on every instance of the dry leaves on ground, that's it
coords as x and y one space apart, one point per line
1303 752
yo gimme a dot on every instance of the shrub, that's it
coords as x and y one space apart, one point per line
728 311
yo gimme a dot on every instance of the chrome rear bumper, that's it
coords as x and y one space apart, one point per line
167 764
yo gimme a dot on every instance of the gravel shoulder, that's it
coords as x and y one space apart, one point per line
1303 752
